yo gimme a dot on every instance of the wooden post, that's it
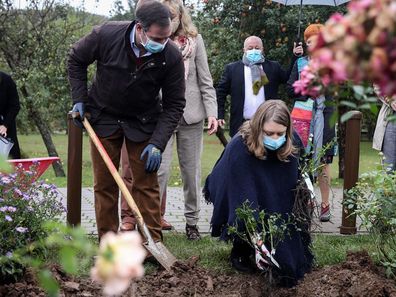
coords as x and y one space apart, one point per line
351 173
74 172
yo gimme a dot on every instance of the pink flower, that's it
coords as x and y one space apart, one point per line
360 46
359 6
336 18
119 261
339 71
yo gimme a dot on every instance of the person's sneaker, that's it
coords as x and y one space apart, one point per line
324 212
192 232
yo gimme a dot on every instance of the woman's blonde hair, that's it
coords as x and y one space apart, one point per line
253 134
186 26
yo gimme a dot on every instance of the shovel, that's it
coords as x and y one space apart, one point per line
157 249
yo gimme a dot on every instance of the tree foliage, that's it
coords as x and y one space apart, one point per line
225 24
34 42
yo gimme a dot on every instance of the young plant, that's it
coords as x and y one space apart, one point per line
306 206
260 230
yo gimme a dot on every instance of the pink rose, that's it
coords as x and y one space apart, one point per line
119 261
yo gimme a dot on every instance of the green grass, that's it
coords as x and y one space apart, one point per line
332 249
369 160
33 146
214 254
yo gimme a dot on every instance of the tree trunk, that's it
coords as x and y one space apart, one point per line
45 132
341 141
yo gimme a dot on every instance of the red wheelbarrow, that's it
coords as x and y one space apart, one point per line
40 164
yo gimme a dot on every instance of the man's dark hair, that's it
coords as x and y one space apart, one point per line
152 12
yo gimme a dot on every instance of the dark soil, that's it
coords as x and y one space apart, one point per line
357 276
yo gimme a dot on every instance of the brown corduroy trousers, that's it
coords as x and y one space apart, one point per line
145 189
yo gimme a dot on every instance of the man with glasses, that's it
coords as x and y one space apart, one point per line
134 61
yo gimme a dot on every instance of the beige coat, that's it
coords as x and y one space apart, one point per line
380 128
200 94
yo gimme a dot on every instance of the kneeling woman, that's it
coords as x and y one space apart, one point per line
260 165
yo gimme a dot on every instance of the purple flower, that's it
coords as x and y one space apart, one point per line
25 197
5 180
1 200
12 209
8 208
8 218
21 229
8 254
18 192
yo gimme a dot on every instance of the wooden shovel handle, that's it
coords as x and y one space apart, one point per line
114 173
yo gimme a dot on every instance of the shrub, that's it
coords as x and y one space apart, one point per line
24 205
374 201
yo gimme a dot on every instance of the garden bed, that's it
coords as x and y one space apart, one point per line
357 276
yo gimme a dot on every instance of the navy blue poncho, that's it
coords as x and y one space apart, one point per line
268 185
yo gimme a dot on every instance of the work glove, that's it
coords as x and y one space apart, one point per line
154 157
80 108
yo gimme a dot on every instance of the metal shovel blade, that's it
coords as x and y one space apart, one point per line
161 254
158 250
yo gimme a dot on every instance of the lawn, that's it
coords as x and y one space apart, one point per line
33 146
214 254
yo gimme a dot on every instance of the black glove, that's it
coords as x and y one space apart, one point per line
80 108
153 161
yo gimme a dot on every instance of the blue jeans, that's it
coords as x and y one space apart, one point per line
389 146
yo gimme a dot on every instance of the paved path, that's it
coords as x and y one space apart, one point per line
175 211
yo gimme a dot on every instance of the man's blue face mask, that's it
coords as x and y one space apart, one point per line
274 144
153 46
254 55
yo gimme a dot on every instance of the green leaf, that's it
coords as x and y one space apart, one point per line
359 90
346 116
5 167
348 103
68 259
364 106
374 108
48 283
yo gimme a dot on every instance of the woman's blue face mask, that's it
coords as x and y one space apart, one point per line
274 144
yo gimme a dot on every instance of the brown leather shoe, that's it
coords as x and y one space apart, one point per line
166 225
127 226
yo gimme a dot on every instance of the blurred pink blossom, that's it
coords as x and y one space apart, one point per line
119 261
360 47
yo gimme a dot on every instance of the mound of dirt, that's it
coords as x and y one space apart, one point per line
357 276
188 279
